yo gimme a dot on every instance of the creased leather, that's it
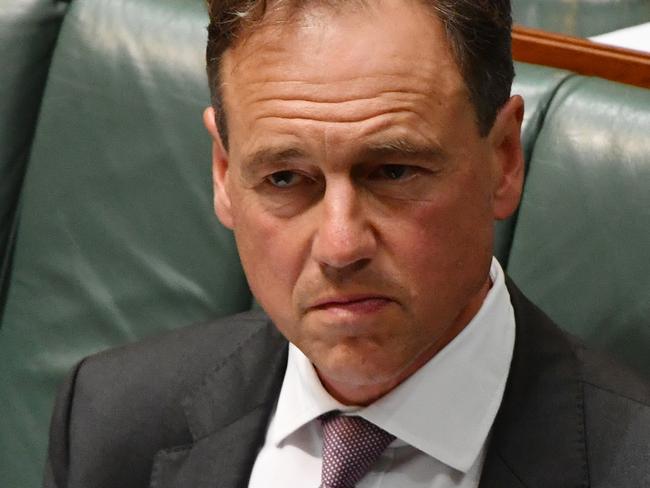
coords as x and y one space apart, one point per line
580 248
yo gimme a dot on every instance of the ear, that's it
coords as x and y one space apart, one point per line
505 139
220 175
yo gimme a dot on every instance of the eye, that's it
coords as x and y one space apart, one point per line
393 172
284 179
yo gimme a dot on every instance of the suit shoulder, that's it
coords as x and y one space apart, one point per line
119 407
549 344
145 382
617 421
175 359
161 370
600 371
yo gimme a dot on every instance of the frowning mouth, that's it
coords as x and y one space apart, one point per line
352 303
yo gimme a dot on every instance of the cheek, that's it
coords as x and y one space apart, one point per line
446 224
271 252
448 237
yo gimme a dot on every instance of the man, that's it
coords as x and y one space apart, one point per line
362 150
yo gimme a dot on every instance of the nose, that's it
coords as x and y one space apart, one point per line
345 237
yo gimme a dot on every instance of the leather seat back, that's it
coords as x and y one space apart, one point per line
117 238
581 247
28 32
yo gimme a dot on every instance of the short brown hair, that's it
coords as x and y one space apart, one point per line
477 30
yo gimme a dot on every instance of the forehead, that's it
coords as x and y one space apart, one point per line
400 40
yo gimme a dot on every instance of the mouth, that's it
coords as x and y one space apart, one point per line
355 304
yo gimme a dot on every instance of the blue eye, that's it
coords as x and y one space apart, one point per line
283 179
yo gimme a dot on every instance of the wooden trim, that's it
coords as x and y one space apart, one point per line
581 56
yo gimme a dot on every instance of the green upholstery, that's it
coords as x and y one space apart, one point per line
28 31
581 248
117 239
581 18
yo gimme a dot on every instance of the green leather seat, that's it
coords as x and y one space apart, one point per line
581 247
28 32
581 18
117 239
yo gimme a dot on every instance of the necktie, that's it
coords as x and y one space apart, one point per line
350 446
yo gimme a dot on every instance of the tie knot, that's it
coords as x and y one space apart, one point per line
350 446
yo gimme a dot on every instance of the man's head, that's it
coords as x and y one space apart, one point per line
361 182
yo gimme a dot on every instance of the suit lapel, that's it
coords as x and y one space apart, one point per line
227 417
497 474
538 437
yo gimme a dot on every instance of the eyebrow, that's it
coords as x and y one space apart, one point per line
403 148
269 156
397 147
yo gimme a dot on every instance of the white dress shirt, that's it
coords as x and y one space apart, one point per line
441 416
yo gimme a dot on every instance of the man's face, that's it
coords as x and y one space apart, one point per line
360 193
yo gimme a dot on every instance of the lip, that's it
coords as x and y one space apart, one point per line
365 303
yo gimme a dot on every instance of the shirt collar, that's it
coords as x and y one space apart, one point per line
445 409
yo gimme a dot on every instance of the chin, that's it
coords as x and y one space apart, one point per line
359 368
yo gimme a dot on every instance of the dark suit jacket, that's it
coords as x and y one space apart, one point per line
190 410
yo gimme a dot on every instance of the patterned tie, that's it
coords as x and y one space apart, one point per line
350 446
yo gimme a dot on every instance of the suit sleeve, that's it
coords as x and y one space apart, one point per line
58 458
